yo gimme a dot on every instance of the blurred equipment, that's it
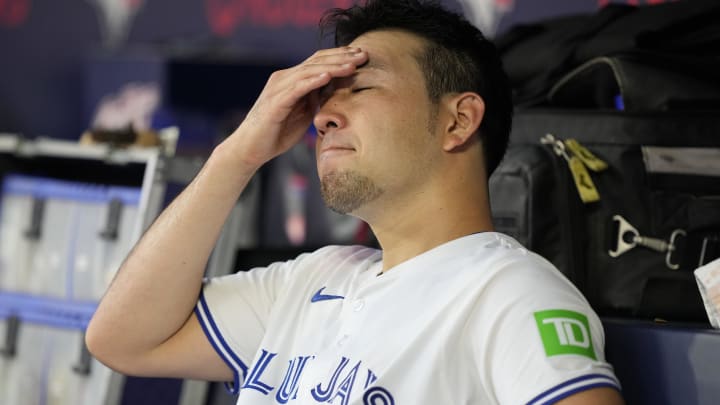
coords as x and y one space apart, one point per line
69 214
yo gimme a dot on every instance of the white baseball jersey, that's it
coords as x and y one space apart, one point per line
477 320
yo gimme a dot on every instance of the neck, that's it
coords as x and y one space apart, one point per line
411 226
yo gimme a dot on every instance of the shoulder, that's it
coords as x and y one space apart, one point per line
522 291
514 272
533 325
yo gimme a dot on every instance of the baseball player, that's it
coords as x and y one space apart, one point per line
413 113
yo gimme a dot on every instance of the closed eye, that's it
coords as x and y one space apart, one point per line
359 89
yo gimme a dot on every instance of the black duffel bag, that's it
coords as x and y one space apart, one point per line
626 205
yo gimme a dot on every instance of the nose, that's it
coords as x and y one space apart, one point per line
329 117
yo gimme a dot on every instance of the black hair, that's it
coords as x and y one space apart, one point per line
457 58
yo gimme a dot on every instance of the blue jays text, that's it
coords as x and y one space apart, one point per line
337 390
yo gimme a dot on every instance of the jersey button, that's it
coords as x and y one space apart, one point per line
358 305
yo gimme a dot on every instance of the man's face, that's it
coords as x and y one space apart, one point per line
375 143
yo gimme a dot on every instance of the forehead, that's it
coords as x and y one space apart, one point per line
391 50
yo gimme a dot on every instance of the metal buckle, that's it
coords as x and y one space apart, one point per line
671 249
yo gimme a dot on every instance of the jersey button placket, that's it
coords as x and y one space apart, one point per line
358 305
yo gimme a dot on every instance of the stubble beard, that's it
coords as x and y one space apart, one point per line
346 191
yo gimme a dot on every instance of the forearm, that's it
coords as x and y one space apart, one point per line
144 324
157 286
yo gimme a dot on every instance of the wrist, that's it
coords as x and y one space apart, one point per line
233 159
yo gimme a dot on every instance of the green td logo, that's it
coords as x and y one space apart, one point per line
565 332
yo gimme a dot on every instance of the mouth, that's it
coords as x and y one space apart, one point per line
327 153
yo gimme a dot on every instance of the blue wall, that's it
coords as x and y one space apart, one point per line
45 44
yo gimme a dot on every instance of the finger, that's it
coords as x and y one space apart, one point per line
311 74
304 87
336 61
334 70
336 66
356 57
333 51
290 85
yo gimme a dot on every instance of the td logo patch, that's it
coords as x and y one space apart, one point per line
565 332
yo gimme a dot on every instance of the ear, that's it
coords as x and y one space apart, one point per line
466 112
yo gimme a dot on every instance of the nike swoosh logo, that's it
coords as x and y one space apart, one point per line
319 296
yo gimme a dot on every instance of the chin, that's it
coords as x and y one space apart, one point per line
346 192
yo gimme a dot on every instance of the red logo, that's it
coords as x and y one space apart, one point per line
224 16
13 13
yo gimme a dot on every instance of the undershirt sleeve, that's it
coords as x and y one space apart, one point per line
541 342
